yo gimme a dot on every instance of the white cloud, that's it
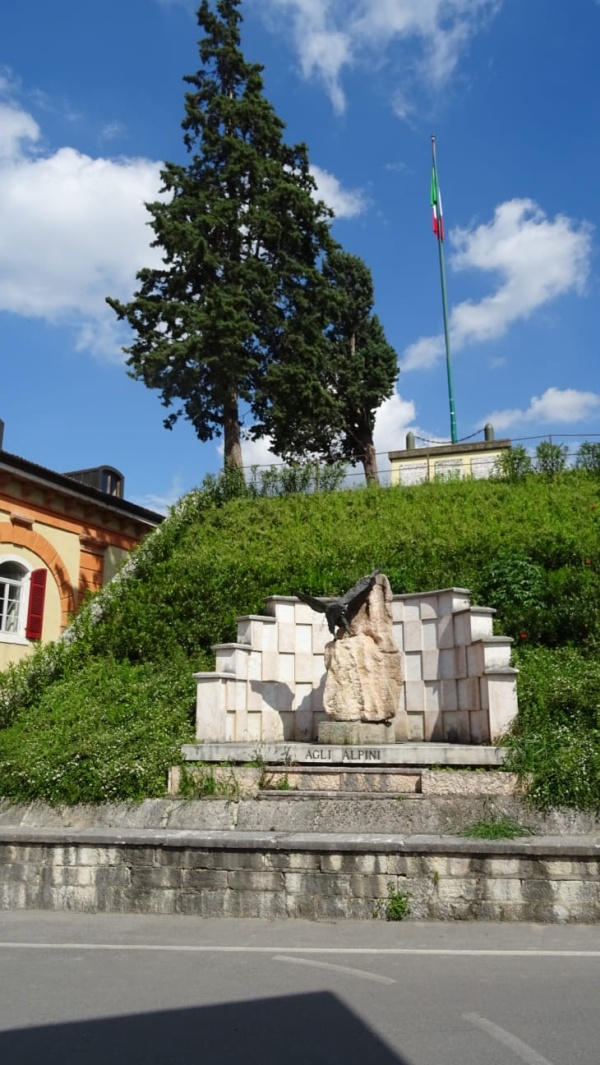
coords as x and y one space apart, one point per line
555 407
331 35
73 230
536 258
16 128
345 203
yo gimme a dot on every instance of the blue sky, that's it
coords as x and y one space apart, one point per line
91 99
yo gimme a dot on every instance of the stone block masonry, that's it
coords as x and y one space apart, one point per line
268 686
323 877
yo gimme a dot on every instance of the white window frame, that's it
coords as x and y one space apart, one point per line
19 636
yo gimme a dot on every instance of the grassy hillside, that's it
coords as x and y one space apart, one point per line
103 716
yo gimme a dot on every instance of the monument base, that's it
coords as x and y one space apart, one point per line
356 733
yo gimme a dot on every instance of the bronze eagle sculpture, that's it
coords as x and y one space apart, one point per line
339 611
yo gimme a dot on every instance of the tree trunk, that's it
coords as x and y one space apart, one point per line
231 433
369 461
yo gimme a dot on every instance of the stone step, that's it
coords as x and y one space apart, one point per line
350 780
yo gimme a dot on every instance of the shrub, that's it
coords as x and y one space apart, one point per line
550 459
514 464
588 458
110 731
556 737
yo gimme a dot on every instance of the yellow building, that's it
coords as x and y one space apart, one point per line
415 465
61 535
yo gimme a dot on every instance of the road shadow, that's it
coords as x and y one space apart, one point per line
313 1029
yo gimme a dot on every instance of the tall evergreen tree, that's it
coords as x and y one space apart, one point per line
324 400
241 234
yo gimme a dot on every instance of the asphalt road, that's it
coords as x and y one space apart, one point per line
109 989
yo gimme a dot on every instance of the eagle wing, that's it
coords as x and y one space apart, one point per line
360 589
310 600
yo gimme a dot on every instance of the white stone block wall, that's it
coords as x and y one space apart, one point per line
268 687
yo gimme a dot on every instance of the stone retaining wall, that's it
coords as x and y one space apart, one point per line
321 878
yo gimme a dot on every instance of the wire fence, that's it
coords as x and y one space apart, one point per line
355 473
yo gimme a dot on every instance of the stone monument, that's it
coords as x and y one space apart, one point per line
363 663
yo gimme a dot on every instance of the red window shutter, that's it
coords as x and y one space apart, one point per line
37 594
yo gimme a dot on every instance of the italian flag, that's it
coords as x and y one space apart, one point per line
436 206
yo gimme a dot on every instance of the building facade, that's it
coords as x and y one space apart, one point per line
415 465
60 538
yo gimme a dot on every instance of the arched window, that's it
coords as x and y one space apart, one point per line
22 594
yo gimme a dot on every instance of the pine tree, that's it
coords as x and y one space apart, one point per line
322 399
242 235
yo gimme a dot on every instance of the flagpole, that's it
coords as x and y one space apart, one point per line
453 432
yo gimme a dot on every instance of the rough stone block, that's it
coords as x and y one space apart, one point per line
459 889
293 861
369 887
244 880
354 733
504 889
204 879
